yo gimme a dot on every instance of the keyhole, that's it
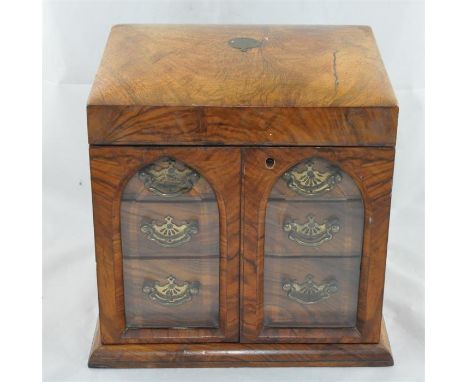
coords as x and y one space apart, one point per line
269 163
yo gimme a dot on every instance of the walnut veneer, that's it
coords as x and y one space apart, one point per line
241 181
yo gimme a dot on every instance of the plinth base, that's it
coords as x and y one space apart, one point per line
240 355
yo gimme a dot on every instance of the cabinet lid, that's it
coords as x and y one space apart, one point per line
187 68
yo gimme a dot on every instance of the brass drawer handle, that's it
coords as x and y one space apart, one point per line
169 234
311 233
308 181
309 292
168 180
172 292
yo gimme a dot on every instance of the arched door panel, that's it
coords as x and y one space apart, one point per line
310 246
313 243
170 246
167 243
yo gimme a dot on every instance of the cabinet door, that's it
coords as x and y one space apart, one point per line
314 243
167 243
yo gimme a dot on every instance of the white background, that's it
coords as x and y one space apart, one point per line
74 37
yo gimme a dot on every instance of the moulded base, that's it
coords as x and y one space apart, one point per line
239 355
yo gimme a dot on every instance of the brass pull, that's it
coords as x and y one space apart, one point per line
311 233
309 292
169 234
172 292
310 182
163 178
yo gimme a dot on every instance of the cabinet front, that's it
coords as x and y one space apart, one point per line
173 215
307 256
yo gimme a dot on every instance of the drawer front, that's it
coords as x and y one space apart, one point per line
171 293
314 228
318 292
169 229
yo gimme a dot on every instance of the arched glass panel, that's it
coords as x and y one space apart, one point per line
313 243
170 246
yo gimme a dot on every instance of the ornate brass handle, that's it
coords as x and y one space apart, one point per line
165 179
171 292
169 234
310 182
311 233
309 292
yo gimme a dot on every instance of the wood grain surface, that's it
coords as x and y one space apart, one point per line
185 92
339 310
304 85
346 242
240 355
295 66
372 170
202 311
135 243
111 168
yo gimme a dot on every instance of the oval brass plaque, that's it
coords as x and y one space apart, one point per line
244 43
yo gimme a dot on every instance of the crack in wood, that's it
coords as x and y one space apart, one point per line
335 74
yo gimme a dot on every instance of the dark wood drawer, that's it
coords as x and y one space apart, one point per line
314 228
170 229
171 293
311 292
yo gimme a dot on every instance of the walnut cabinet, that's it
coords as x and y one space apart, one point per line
241 183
